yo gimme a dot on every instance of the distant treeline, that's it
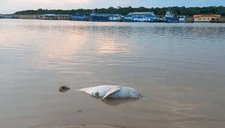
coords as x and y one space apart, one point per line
190 11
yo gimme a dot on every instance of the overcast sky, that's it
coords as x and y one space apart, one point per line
11 6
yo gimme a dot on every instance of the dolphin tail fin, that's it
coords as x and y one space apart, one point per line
87 90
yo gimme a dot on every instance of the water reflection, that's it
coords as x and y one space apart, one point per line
70 46
108 41
115 102
155 58
12 38
62 48
208 31
109 45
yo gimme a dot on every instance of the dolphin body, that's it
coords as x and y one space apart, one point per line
111 91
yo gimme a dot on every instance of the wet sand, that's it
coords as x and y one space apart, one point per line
89 126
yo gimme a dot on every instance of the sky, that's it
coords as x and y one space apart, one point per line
12 6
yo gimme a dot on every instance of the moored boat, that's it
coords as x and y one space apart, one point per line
170 17
218 20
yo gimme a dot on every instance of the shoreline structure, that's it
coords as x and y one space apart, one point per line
67 17
127 14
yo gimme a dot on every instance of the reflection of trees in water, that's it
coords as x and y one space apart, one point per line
186 31
209 31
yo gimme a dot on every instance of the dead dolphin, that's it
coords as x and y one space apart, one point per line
111 91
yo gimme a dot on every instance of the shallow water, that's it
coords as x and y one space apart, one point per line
179 68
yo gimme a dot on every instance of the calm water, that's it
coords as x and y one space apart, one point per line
179 68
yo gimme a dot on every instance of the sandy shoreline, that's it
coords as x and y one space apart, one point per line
89 126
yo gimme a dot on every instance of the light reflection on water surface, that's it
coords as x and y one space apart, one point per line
178 67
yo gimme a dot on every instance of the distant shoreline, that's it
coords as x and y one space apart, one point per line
30 17
187 11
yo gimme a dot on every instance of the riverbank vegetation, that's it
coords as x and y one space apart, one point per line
188 11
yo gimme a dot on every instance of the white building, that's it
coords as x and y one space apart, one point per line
115 18
55 17
182 18
141 16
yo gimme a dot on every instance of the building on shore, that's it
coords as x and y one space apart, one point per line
105 17
205 17
55 17
182 18
79 17
140 17
128 18
37 16
116 17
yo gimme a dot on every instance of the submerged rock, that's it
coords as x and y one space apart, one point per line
64 88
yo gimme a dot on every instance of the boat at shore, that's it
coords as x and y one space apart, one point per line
218 20
170 17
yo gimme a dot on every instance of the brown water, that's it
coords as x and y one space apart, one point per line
179 68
